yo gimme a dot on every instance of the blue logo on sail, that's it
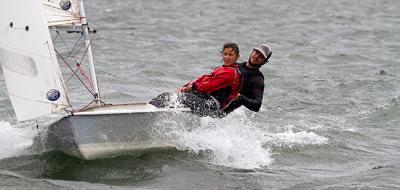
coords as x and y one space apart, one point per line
65 4
53 95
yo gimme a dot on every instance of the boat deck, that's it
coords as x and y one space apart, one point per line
138 107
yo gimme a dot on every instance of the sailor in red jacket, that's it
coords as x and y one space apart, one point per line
222 85
210 93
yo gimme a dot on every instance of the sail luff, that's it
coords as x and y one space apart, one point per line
57 73
55 67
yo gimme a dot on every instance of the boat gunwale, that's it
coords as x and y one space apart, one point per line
127 108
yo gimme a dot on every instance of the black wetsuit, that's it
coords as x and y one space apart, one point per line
252 91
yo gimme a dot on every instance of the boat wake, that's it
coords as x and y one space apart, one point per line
14 141
235 141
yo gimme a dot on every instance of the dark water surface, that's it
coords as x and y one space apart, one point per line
330 117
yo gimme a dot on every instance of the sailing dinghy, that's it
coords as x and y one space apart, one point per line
36 85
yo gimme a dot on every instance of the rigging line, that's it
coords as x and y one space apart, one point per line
39 101
125 79
79 50
75 46
62 39
73 71
70 77
90 103
87 48
83 73
79 64
76 62
73 58
66 46
65 17
55 37
64 20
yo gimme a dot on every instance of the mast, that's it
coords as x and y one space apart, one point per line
85 29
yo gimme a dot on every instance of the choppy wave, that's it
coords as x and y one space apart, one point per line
330 112
14 141
386 112
236 141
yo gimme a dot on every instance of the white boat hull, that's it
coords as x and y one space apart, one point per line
115 130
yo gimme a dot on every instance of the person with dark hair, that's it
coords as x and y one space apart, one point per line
252 91
210 93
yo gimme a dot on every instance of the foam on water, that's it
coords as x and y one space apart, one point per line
235 141
302 138
14 140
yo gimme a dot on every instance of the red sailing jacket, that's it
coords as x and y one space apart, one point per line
223 84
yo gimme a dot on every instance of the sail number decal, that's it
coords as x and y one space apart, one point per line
53 95
65 4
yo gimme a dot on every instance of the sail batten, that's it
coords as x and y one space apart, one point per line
30 67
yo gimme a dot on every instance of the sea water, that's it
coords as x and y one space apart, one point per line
330 115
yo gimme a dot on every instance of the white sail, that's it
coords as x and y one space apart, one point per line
62 12
31 71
